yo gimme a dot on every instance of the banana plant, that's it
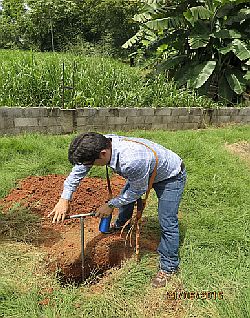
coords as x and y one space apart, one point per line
202 44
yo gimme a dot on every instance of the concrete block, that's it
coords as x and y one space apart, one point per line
25 122
9 131
195 111
245 119
154 119
112 127
238 119
183 119
6 123
57 130
245 111
231 111
49 121
92 112
131 112
53 112
135 120
11 112
145 111
87 112
67 120
102 111
166 111
182 111
115 121
224 119
34 129
34 112
81 121
97 120
148 119
82 112
114 112
168 119
195 119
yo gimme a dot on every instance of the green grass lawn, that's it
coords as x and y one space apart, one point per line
214 227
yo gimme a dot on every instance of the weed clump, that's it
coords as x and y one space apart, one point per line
19 224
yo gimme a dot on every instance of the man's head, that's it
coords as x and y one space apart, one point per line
90 149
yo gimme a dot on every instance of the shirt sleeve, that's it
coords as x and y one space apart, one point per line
137 173
72 181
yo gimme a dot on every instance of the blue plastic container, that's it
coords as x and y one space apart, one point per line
105 224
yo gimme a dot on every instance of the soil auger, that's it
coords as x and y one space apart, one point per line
81 217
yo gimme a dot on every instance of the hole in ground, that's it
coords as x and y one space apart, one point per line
101 253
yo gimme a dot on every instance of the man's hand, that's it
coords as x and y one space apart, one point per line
104 211
60 210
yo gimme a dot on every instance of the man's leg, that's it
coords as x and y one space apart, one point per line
125 212
169 193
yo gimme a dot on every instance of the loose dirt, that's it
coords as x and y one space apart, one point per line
61 242
242 149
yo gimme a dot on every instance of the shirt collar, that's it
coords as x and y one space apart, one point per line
114 154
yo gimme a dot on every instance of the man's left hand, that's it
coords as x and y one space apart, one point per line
104 211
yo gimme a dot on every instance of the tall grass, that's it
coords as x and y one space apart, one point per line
35 79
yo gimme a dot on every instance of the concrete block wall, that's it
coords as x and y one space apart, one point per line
15 120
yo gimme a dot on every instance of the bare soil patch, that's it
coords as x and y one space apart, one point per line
241 149
61 242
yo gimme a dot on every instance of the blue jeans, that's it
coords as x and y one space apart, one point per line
169 193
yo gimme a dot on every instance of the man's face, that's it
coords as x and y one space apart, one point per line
104 158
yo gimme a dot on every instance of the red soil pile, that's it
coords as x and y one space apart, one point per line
61 242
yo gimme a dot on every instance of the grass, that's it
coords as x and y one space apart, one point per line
17 223
35 79
214 222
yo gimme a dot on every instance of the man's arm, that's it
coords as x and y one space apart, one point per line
72 181
137 173
70 185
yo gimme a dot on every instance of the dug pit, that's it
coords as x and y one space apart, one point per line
61 242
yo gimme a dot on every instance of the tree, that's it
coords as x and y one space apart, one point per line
11 23
51 24
202 44
110 17
54 25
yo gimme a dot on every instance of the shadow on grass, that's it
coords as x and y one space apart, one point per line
151 228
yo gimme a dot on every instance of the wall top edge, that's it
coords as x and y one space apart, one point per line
119 108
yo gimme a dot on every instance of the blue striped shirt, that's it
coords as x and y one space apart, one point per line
134 162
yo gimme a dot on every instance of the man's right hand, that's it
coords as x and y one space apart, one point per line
60 210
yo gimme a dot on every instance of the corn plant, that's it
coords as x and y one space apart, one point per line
37 79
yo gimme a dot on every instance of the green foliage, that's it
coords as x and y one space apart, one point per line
11 23
202 44
35 79
47 25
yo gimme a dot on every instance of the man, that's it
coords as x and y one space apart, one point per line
135 160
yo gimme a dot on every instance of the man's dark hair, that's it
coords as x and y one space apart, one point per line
86 148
